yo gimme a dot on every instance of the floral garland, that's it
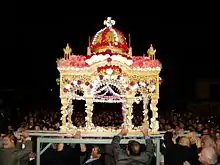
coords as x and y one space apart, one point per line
108 51
76 84
149 85
109 69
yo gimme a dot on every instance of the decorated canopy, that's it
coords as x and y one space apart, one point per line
109 73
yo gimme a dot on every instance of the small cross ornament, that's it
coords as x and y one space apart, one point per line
109 22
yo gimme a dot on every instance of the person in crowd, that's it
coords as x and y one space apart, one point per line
208 141
1 140
94 158
62 154
13 152
178 153
133 153
109 155
200 128
208 156
218 149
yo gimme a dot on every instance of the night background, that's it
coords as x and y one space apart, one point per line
185 46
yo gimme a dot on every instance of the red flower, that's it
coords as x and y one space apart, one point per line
79 82
132 83
87 83
65 90
109 59
108 51
113 67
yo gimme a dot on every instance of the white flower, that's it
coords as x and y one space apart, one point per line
68 86
75 82
109 71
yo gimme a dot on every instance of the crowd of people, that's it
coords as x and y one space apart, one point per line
16 147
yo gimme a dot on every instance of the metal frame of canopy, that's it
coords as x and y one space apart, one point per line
52 137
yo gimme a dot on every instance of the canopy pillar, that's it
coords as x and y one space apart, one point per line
89 112
145 108
64 113
154 122
127 110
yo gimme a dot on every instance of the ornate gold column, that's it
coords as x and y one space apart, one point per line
145 110
70 106
89 112
127 110
64 101
154 122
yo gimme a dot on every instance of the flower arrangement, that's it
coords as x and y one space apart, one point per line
109 69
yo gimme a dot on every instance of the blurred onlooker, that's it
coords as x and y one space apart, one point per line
208 156
13 151
208 141
94 157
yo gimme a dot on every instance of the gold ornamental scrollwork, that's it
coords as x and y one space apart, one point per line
120 39
140 78
99 39
67 79
109 37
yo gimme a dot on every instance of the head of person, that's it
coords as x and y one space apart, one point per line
184 141
200 127
134 148
208 141
8 141
96 152
208 156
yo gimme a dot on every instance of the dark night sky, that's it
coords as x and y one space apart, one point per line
184 46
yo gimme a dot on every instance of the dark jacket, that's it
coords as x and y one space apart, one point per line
85 157
109 155
122 157
69 155
175 154
94 162
13 156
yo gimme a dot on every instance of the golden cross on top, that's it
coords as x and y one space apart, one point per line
109 22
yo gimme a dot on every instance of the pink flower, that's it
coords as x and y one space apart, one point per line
108 51
65 90
132 83
109 59
79 82
101 77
